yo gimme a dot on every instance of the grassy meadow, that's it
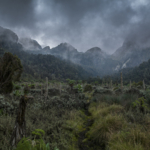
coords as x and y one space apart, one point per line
77 116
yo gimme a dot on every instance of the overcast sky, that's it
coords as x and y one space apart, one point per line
81 23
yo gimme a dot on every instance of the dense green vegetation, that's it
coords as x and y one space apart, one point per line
136 74
10 71
94 118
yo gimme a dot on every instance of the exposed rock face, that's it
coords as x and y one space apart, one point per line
8 35
30 44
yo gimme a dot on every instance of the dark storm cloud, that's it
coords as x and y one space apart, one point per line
82 23
16 13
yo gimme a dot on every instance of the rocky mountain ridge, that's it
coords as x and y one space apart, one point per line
95 60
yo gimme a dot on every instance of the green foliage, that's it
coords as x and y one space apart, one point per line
71 82
140 101
36 144
17 93
140 83
87 88
79 87
1 112
140 104
96 83
10 70
116 88
32 86
79 81
16 87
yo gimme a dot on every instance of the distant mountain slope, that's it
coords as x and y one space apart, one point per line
130 54
94 61
8 35
30 44
41 66
139 73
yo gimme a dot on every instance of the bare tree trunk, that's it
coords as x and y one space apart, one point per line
20 124
60 88
121 81
46 89
111 84
130 84
143 85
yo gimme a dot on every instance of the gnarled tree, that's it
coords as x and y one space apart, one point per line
10 71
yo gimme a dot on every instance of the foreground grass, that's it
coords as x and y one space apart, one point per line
116 124
113 130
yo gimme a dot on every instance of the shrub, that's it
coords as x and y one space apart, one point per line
16 87
88 88
103 110
103 127
140 104
36 144
79 88
132 139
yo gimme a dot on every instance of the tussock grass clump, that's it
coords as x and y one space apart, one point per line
124 100
104 109
75 125
133 139
104 127
6 128
88 88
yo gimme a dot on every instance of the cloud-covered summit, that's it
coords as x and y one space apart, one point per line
82 23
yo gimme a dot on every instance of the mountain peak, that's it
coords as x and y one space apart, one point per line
30 44
67 46
94 50
8 35
47 48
